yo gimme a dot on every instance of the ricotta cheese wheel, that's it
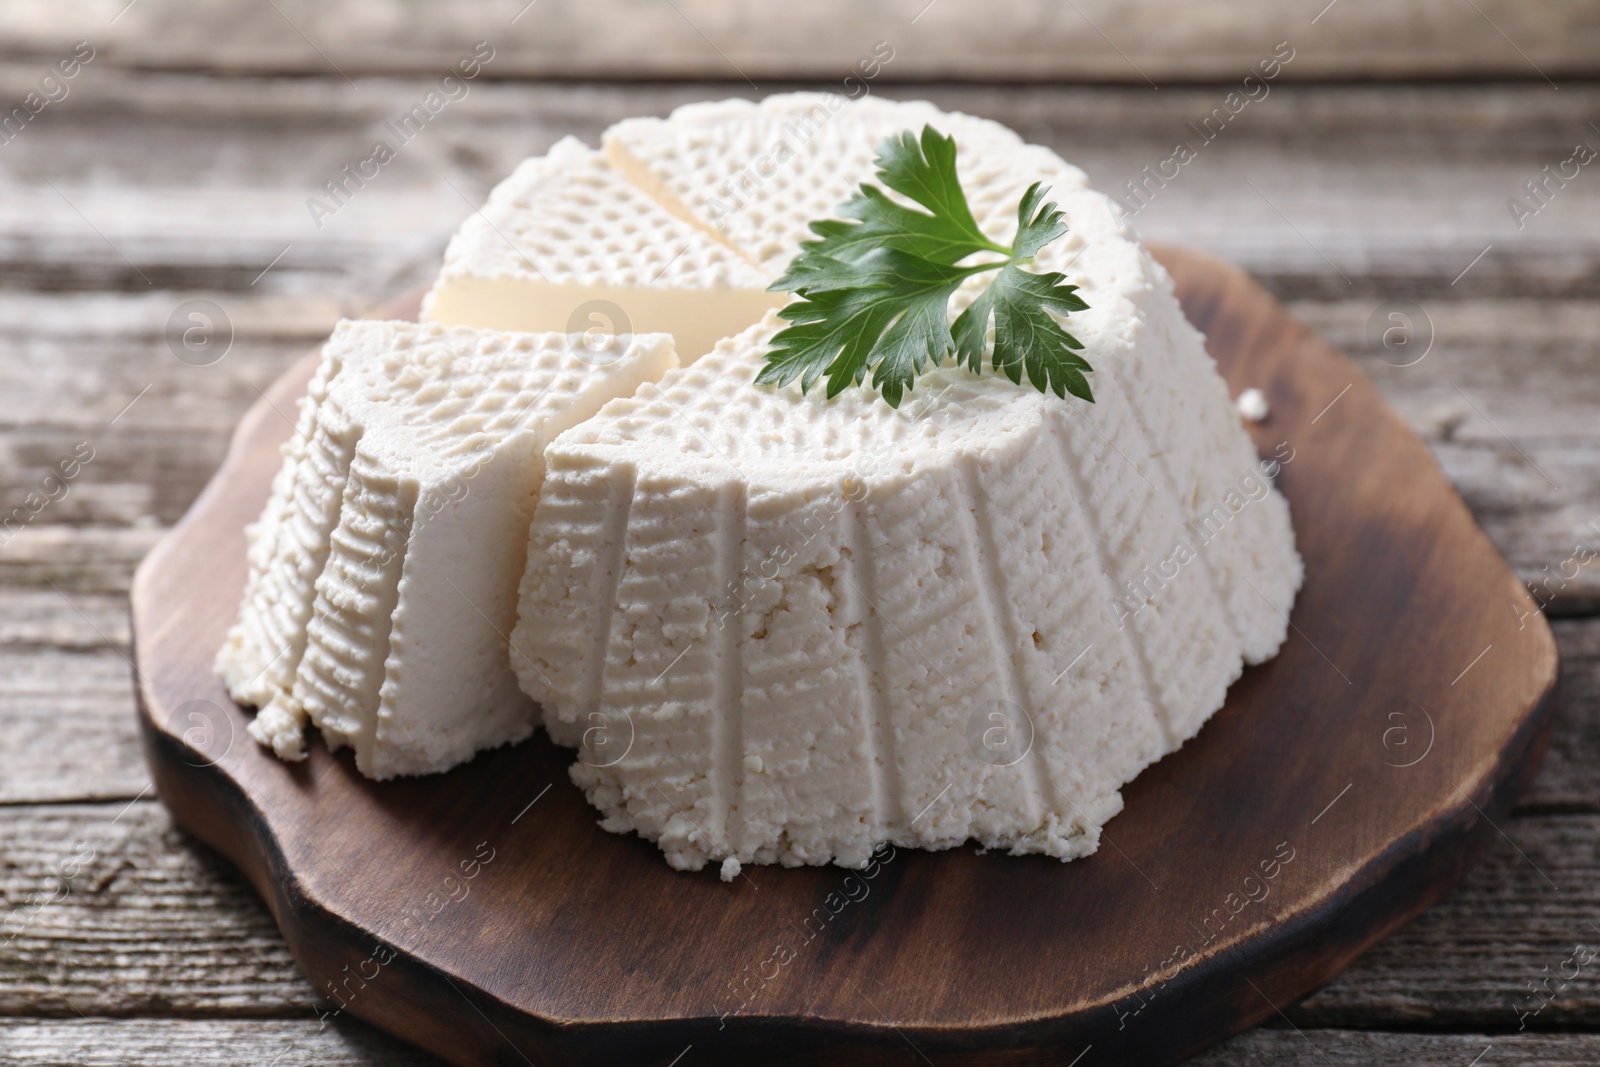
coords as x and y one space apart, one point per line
567 244
383 572
783 629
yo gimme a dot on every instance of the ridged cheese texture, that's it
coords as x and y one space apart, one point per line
567 244
381 588
783 629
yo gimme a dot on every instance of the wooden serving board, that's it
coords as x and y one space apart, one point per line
1346 785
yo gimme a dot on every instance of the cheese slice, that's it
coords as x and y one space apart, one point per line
756 175
262 637
388 584
566 244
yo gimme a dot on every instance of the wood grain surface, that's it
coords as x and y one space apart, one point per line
579 946
206 1043
1146 42
196 173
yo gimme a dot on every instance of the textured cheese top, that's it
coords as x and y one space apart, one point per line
457 391
569 218
757 175
710 423
567 244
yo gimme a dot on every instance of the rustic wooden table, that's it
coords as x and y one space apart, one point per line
179 164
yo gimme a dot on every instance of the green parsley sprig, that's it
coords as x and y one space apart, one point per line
875 286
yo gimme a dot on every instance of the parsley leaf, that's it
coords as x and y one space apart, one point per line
875 287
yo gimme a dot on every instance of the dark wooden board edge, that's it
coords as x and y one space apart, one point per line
1312 947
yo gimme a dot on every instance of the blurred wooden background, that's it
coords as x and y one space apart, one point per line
1378 175
937 40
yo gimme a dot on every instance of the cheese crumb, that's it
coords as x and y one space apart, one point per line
1252 405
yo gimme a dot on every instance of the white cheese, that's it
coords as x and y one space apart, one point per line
567 244
804 628
777 628
390 582
821 626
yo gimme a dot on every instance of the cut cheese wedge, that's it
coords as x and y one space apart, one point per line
383 575
566 244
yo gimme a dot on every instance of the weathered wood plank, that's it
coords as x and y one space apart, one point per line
1282 1047
1568 781
110 911
72 465
1475 958
105 425
69 723
1370 192
1539 501
1468 121
45 619
273 1043
147 922
137 319
1097 40
92 559
202 1043
1505 393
